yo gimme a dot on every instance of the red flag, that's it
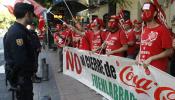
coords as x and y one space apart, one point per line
172 1
161 14
10 8
121 19
41 23
38 9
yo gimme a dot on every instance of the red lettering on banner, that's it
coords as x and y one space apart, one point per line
77 66
142 85
69 61
164 93
73 61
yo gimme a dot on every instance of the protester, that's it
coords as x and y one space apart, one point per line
131 39
116 41
172 61
62 38
95 37
156 42
137 31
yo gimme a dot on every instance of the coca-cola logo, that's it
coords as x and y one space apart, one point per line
141 85
153 36
150 38
164 93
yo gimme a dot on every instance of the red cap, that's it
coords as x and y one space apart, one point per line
96 22
114 17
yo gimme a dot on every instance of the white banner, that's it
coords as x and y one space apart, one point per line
117 78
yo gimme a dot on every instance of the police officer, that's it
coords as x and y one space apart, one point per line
19 53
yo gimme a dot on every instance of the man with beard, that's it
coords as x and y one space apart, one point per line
116 41
19 53
156 41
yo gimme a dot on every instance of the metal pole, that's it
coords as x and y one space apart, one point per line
68 9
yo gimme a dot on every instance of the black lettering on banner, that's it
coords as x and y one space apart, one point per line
110 70
82 60
94 64
87 61
113 72
93 61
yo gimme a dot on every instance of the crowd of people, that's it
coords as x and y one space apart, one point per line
147 41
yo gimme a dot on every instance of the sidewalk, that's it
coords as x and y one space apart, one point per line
69 88
46 88
59 86
4 93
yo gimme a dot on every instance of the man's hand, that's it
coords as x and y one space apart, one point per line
76 39
104 45
147 62
109 53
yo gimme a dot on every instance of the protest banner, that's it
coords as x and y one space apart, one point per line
117 78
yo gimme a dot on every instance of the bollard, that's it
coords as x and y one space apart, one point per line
46 98
45 72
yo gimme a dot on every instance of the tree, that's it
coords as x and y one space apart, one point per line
6 19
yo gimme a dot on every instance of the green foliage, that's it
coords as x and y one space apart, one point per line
6 19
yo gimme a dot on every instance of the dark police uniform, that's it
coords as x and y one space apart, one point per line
19 57
36 46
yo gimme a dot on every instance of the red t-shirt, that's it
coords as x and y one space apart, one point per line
115 41
64 37
154 41
55 37
95 40
131 38
76 40
104 35
84 42
138 35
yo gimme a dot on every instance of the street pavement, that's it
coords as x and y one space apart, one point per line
69 88
59 86
4 93
45 88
